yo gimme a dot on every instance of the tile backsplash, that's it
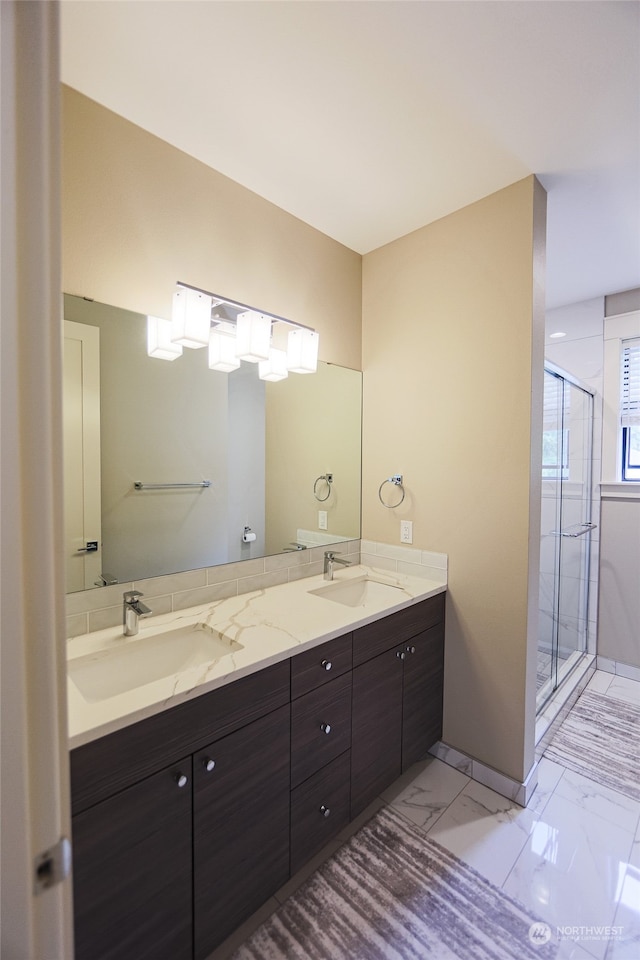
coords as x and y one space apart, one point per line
409 560
97 609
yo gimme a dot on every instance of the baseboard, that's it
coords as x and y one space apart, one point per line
618 668
519 792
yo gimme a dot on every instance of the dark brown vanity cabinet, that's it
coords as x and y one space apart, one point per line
186 822
320 742
423 676
132 871
162 837
240 826
398 667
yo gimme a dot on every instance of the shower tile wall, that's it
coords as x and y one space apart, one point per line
581 353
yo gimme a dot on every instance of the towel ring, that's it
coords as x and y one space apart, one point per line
396 480
328 479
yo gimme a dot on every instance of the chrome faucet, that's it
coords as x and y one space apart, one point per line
132 610
331 557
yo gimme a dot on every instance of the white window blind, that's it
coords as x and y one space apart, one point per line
557 403
630 383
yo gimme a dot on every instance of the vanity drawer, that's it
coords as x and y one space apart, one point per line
385 633
320 727
320 665
319 810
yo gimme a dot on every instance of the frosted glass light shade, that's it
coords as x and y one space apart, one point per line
191 318
302 351
253 336
275 368
159 343
222 348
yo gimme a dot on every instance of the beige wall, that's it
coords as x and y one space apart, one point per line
619 609
453 330
138 215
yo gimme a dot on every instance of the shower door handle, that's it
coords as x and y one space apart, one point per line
578 530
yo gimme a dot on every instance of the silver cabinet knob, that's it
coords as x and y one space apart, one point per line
400 654
181 779
325 727
326 664
208 764
410 649
325 811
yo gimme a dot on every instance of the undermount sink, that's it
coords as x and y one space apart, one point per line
134 662
359 591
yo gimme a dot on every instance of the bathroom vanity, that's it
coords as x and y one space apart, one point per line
186 819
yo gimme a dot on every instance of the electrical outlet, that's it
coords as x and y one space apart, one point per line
322 519
406 531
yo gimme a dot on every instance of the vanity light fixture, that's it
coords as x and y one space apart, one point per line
253 336
191 318
233 332
275 368
302 350
159 342
222 348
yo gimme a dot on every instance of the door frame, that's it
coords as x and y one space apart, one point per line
34 755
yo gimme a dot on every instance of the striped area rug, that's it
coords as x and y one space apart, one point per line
392 894
599 739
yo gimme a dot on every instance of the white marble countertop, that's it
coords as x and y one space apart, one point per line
262 628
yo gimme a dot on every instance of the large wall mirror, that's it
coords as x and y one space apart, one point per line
215 453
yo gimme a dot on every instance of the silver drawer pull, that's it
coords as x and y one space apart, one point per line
400 654
325 811
181 779
410 649
325 727
326 664
208 764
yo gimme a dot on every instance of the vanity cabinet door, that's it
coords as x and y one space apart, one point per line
397 713
376 727
240 827
422 694
132 872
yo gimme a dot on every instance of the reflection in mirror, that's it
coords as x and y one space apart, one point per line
130 418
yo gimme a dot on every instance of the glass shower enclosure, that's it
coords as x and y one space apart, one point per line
565 546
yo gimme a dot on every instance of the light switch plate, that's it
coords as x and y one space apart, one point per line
322 519
406 531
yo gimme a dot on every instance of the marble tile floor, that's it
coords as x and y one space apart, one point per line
572 856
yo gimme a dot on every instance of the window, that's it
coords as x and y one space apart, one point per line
631 453
621 407
630 408
555 454
555 429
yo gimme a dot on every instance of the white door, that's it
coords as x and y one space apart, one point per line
81 423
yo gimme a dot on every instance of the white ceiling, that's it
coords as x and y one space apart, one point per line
368 119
